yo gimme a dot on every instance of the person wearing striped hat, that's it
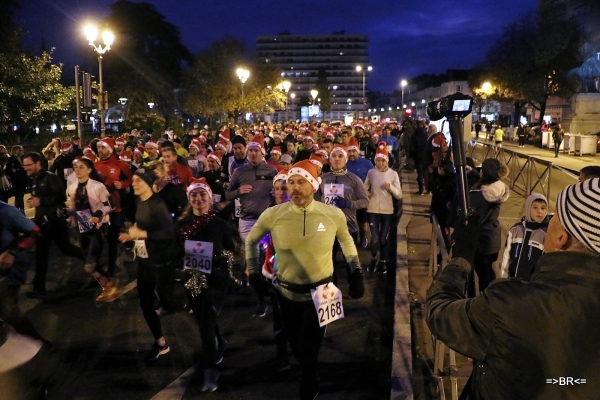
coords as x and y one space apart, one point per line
297 226
546 326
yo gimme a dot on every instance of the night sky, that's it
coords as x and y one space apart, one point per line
406 37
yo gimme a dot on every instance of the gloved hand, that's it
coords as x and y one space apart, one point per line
341 202
257 282
356 288
465 238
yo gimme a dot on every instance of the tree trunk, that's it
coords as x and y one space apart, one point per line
517 112
542 110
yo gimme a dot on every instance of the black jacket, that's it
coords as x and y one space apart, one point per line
16 173
522 334
486 201
51 191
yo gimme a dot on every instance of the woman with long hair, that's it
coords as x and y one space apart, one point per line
204 245
90 207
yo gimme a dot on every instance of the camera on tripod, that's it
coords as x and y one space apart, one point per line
455 105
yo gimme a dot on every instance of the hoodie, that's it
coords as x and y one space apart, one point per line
524 244
486 201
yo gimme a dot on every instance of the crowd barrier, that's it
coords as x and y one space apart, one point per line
526 174
439 250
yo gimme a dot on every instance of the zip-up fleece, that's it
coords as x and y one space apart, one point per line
260 177
303 239
524 245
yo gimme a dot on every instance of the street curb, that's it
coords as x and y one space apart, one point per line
402 377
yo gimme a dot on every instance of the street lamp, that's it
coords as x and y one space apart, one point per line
91 33
243 74
314 93
359 69
286 88
403 84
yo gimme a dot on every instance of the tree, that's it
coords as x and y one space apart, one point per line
214 87
31 93
531 61
147 59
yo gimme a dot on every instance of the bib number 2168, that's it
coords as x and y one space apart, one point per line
327 299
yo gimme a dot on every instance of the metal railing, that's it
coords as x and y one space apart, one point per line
526 174
438 245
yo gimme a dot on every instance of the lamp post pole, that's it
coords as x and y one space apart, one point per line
314 93
286 87
293 95
243 74
359 69
108 38
403 84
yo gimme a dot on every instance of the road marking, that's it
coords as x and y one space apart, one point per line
177 388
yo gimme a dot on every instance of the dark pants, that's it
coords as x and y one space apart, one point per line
207 306
302 325
92 243
114 229
521 140
152 278
557 148
57 232
380 230
420 175
19 203
336 247
281 337
485 272
361 218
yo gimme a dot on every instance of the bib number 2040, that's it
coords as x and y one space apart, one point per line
198 264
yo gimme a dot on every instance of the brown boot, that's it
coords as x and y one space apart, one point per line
109 291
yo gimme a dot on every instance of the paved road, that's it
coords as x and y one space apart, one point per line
106 343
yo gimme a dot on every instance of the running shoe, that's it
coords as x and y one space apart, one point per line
211 377
157 351
261 310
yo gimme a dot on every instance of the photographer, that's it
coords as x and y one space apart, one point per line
527 336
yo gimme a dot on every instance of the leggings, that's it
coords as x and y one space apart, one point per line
150 278
207 306
380 230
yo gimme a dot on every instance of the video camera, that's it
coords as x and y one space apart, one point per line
455 105
455 108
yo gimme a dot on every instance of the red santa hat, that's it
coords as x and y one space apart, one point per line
276 150
353 144
65 147
140 150
225 134
277 134
258 141
90 156
308 171
195 143
215 155
152 143
322 153
199 184
107 142
120 141
126 155
382 152
281 176
222 145
88 150
309 135
341 148
316 159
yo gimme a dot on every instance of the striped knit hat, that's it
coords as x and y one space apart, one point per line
578 211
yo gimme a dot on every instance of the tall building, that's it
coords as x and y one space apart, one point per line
301 56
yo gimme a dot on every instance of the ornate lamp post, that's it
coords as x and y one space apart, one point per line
359 69
286 88
91 33
314 93
243 74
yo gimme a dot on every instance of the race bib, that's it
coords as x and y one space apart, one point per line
332 192
67 172
238 208
216 198
140 248
198 256
389 148
327 299
194 166
84 221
